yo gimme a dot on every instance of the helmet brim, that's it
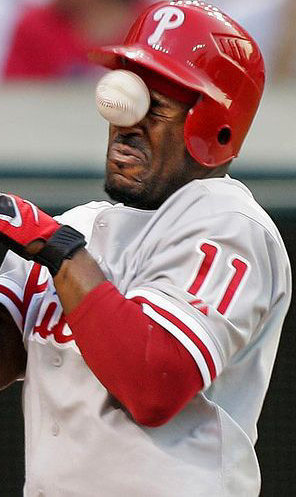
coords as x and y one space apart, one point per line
113 57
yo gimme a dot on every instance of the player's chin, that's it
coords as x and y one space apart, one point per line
121 187
128 191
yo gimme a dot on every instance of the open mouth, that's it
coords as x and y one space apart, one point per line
125 156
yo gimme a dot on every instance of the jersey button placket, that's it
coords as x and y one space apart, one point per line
55 429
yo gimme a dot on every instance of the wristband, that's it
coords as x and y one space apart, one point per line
61 245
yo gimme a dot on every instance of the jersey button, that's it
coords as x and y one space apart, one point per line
58 361
55 429
102 224
99 259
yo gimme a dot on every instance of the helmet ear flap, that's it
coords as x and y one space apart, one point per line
208 133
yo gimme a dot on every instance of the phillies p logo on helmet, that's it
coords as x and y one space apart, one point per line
203 52
169 18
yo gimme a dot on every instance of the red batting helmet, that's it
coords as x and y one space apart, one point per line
195 47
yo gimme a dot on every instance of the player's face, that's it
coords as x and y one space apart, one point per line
147 162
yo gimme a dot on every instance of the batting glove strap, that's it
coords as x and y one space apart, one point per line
61 245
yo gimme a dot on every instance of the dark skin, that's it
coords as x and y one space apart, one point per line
163 164
146 163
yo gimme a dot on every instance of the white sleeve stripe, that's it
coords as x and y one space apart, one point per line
186 342
189 321
43 276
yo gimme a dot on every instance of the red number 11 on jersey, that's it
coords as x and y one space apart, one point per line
238 269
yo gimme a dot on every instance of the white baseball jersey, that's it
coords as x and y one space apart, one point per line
211 268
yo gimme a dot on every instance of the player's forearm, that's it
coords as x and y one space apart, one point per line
138 361
76 278
12 353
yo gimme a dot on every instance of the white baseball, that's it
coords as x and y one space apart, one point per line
122 98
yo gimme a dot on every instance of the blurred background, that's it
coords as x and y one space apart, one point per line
52 151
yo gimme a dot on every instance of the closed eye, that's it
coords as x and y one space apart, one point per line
156 108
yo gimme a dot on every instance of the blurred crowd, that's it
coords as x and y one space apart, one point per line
45 39
49 39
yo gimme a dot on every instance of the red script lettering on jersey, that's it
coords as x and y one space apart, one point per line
57 329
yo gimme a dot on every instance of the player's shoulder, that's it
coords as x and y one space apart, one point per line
218 190
82 217
230 198
220 206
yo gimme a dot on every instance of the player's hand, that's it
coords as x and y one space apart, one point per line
22 223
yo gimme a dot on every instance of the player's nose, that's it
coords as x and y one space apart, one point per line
129 136
136 129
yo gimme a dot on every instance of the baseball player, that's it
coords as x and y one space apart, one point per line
150 326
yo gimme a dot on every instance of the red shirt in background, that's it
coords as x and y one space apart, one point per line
46 45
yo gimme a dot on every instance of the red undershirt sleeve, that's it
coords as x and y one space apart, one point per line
139 362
